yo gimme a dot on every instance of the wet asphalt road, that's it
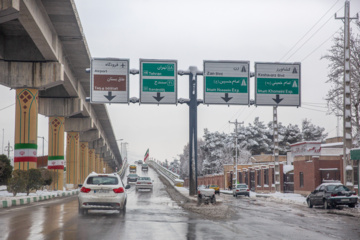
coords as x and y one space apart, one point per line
153 215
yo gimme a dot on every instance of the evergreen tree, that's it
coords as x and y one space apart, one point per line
310 132
5 169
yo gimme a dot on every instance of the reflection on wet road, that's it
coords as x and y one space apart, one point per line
153 215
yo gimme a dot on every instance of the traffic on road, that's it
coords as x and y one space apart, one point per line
163 215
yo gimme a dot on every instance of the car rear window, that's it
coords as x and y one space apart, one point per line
143 178
144 165
104 180
341 188
132 175
241 186
332 187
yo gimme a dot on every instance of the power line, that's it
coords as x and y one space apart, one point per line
317 31
320 45
7 107
314 109
308 31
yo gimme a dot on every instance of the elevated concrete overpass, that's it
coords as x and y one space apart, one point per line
43 55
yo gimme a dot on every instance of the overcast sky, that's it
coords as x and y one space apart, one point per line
191 31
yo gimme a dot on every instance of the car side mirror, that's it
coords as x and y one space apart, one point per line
80 185
127 186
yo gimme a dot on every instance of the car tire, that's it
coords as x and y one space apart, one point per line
352 205
308 201
199 200
81 211
213 200
326 204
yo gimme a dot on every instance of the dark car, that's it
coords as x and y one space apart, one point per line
144 167
132 178
332 195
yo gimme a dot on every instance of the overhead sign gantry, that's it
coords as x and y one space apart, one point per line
226 82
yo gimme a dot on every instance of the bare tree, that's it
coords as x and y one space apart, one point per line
336 75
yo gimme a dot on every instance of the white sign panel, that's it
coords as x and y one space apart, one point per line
306 149
278 84
109 80
158 81
226 82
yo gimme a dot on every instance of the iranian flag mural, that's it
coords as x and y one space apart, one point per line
146 155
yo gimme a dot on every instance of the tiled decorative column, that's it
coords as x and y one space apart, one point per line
56 151
84 161
72 158
26 120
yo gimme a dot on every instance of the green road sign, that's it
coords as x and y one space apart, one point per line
277 86
226 84
158 69
158 81
158 85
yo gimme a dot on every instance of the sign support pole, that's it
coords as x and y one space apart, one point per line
276 150
192 103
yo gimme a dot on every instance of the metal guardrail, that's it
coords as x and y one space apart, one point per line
170 175
123 169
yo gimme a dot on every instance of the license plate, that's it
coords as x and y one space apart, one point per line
101 191
345 200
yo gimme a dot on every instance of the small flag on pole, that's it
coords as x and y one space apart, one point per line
146 155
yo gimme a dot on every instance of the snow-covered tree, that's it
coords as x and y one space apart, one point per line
184 160
336 75
257 138
310 132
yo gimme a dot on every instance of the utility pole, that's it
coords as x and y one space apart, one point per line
348 175
234 182
8 148
276 150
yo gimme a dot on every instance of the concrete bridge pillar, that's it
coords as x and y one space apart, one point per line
91 160
26 117
102 165
97 163
84 161
56 158
73 158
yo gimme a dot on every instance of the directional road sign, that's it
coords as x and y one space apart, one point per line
109 80
278 84
158 81
226 82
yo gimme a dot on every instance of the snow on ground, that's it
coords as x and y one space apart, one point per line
4 194
284 197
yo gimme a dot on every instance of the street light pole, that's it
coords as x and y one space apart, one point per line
43 138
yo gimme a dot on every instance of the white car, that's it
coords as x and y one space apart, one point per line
102 192
144 183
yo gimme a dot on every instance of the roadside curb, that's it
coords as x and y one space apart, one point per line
22 200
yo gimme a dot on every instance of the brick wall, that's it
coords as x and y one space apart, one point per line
310 167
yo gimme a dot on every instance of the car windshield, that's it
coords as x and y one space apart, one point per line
241 186
103 180
144 165
144 178
132 175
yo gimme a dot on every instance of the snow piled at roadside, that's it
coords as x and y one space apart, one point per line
5 194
